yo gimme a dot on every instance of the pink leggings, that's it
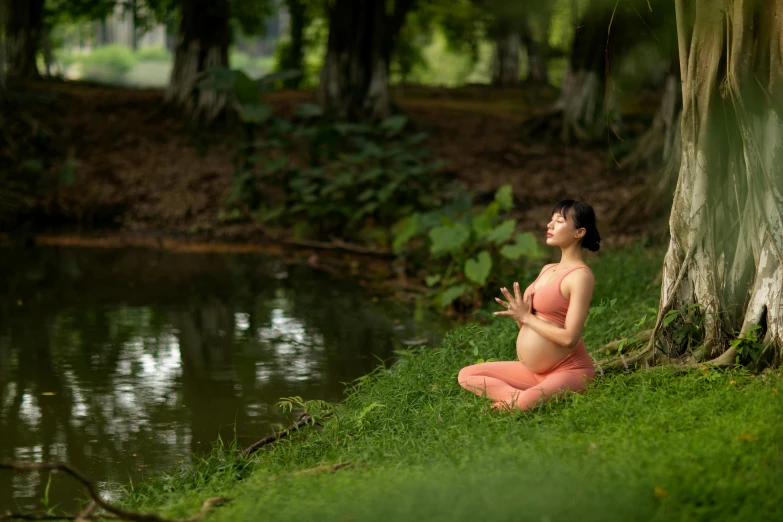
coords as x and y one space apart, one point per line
510 382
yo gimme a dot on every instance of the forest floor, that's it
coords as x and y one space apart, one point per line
139 168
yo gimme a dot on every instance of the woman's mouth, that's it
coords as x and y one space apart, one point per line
548 234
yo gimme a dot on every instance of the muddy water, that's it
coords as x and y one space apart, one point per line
127 362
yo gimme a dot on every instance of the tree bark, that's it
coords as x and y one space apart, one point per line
293 54
24 23
505 61
726 247
202 44
355 74
587 107
537 73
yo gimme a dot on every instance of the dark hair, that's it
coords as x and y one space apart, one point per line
583 216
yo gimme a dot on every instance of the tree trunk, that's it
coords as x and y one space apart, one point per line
355 74
505 61
726 247
587 107
537 73
202 43
292 57
24 23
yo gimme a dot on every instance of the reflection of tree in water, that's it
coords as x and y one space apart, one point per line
143 355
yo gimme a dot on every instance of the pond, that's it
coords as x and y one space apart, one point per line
127 362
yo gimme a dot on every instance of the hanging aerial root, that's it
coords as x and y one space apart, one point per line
112 512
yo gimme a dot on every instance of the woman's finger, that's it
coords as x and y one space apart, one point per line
502 302
507 293
517 295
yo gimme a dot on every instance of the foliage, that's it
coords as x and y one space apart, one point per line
464 249
424 448
153 54
108 64
749 345
338 176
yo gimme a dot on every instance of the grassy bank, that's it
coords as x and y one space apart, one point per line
649 445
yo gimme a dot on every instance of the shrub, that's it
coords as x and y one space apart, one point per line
108 64
153 54
462 248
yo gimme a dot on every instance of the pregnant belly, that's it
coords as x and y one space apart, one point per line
538 353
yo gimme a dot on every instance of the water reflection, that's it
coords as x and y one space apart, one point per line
125 362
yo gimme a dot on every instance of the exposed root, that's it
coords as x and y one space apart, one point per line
612 347
621 362
326 467
303 421
112 512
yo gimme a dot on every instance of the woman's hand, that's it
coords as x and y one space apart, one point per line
516 307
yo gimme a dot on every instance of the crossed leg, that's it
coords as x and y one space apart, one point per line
511 384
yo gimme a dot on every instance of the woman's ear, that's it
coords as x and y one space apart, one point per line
581 233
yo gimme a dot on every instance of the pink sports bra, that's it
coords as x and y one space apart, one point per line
549 301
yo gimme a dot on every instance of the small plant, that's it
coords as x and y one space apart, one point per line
466 248
687 331
748 345
109 64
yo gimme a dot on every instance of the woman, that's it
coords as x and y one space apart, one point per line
551 315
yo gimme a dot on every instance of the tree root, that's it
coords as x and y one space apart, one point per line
89 513
303 421
326 467
642 336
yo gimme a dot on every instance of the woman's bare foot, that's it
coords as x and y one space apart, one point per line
501 405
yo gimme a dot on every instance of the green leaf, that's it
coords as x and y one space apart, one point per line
448 238
524 246
451 294
406 229
394 124
279 76
670 316
477 270
256 114
308 110
245 89
492 210
504 197
481 225
502 232
219 79
432 280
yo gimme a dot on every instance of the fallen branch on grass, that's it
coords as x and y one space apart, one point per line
114 512
303 420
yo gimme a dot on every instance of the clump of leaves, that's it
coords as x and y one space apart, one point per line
341 178
464 248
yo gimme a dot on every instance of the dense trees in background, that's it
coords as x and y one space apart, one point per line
24 24
355 73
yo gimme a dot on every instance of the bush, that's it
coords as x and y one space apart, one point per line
153 54
108 64
238 59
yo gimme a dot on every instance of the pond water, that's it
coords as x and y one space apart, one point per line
126 362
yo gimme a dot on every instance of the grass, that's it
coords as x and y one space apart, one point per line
647 445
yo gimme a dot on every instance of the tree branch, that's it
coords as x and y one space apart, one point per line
303 420
116 513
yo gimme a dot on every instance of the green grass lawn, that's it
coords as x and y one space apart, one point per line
649 445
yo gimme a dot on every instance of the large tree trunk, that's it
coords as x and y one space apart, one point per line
202 44
24 23
587 108
726 247
537 73
505 61
355 74
292 57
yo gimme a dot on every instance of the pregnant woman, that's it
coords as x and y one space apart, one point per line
551 315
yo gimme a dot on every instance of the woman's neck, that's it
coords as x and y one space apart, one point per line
572 255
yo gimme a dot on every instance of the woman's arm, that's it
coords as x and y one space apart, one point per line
579 285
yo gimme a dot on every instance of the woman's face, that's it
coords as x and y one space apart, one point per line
560 231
